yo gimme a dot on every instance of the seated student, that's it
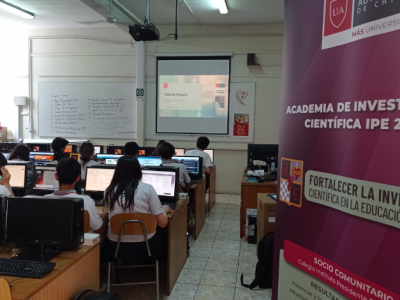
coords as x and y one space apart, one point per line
157 148
126 194
87 153
20 153
5 177
167 150
132 148
202 144
68 172
58 145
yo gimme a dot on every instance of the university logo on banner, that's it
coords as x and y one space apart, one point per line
346 21
291 182
337 16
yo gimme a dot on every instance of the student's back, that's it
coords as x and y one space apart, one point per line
202 144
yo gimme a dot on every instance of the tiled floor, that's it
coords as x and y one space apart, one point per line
217 259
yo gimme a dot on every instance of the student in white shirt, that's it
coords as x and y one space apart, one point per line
166 151
202 144
87 153
68 172
126 194
5 177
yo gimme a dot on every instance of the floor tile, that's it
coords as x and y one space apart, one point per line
224 253
227 244
190 276
199 252
218 278
222 200
250 254
184 291
225 265
208 234
255 294
215 216
247 266
235 201
219 209
211 226
224 205
209 292
198 263
229 228
230 236
234 221
231 214
223 196
204 242
231 217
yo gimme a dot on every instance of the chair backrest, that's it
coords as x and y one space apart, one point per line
149 221
86 222
5 293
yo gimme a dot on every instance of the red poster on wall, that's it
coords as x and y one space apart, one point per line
340 130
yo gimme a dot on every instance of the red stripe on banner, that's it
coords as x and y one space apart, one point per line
344 281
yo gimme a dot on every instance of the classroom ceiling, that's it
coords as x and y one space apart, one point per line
92 13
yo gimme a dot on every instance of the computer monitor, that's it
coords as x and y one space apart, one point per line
98 178
211 153
262 156
98 149
39 147
119 150
194 165
75 156
18 175
165 180
154 161
146 151
107 159
45 178
8 146
179 151
71 149
56 221
41 158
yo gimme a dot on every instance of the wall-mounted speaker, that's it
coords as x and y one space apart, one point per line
251 59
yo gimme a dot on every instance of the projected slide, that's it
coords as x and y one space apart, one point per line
193 96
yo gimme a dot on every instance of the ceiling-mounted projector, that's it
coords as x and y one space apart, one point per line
145 32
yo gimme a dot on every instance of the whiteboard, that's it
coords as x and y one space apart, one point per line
87 109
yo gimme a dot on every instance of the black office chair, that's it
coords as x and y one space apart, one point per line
93 295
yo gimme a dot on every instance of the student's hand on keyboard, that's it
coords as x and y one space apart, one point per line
167 209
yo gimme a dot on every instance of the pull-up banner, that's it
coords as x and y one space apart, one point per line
338 214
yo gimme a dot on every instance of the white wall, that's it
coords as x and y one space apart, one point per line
85 60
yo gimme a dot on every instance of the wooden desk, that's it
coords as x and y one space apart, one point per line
176 245
212 188
197 202
75 272
249 191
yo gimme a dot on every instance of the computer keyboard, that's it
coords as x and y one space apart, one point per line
172 205
98 202
25 268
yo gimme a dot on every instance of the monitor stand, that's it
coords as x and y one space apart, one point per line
37 254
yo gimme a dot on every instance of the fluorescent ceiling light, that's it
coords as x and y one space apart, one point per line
223 9
16 10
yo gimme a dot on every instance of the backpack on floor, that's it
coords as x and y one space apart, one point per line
264 265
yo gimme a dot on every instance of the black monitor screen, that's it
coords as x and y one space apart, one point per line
39 147
49 221
119 150
146 151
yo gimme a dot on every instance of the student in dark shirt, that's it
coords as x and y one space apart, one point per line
132 148
58 146
20 153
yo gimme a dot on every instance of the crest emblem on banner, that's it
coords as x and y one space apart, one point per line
338 12
291 181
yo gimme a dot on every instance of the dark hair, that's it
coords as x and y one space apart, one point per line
3 160
86 150
131 148
167 150
20 151
68 170
125 181
58 143
156 151
203 142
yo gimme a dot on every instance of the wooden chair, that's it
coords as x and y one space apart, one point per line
86 222
5 293
132 224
